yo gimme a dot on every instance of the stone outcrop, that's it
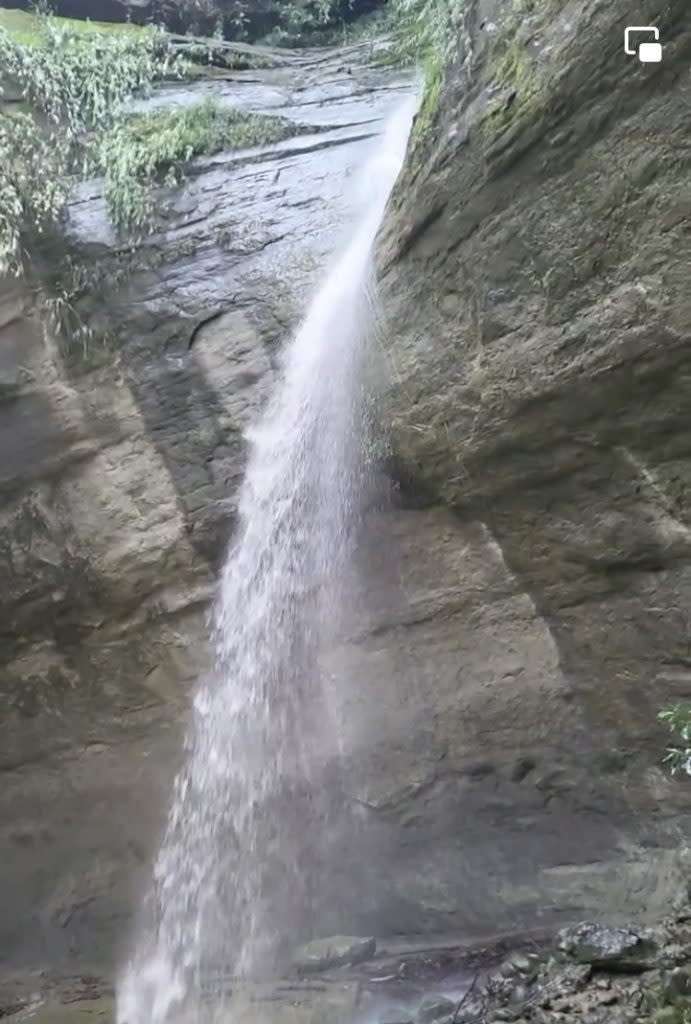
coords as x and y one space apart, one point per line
534 277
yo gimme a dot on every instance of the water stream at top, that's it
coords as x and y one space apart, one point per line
234 880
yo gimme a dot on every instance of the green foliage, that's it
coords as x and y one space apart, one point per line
198 15
74 87
68 118
203 56
312 23
678 718
426 30
78 82
426 33
520 84
65 283
148 148
32 184
433 67
295 22
28 28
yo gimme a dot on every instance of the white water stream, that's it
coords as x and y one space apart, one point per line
234 879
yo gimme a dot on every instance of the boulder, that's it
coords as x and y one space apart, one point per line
617 949
435 1008
675 987
320 954
522 964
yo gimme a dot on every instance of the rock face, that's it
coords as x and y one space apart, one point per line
118 471
519 609
534 275
435 1008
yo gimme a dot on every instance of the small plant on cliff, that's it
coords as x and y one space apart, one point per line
426 33
73 88
423 28
678 718
144 149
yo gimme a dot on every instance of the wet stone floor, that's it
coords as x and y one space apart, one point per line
389 987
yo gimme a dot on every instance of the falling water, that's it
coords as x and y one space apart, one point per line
235 876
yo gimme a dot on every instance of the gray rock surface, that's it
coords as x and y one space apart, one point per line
60 1001
614 948
119 466
533 271
557 990
435 1008
519 602
336 951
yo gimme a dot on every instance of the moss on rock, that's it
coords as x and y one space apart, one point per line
518 69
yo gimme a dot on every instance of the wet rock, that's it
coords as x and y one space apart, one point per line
614 948
472 1008
519 994
676 986
435 1008
520 963
681 906
334 952
396 1017
118 494
668 1015
557 980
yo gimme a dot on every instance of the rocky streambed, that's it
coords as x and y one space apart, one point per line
584 974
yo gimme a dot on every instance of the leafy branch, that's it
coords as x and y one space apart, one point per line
678 718
75 88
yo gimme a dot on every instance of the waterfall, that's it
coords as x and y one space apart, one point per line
234 878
